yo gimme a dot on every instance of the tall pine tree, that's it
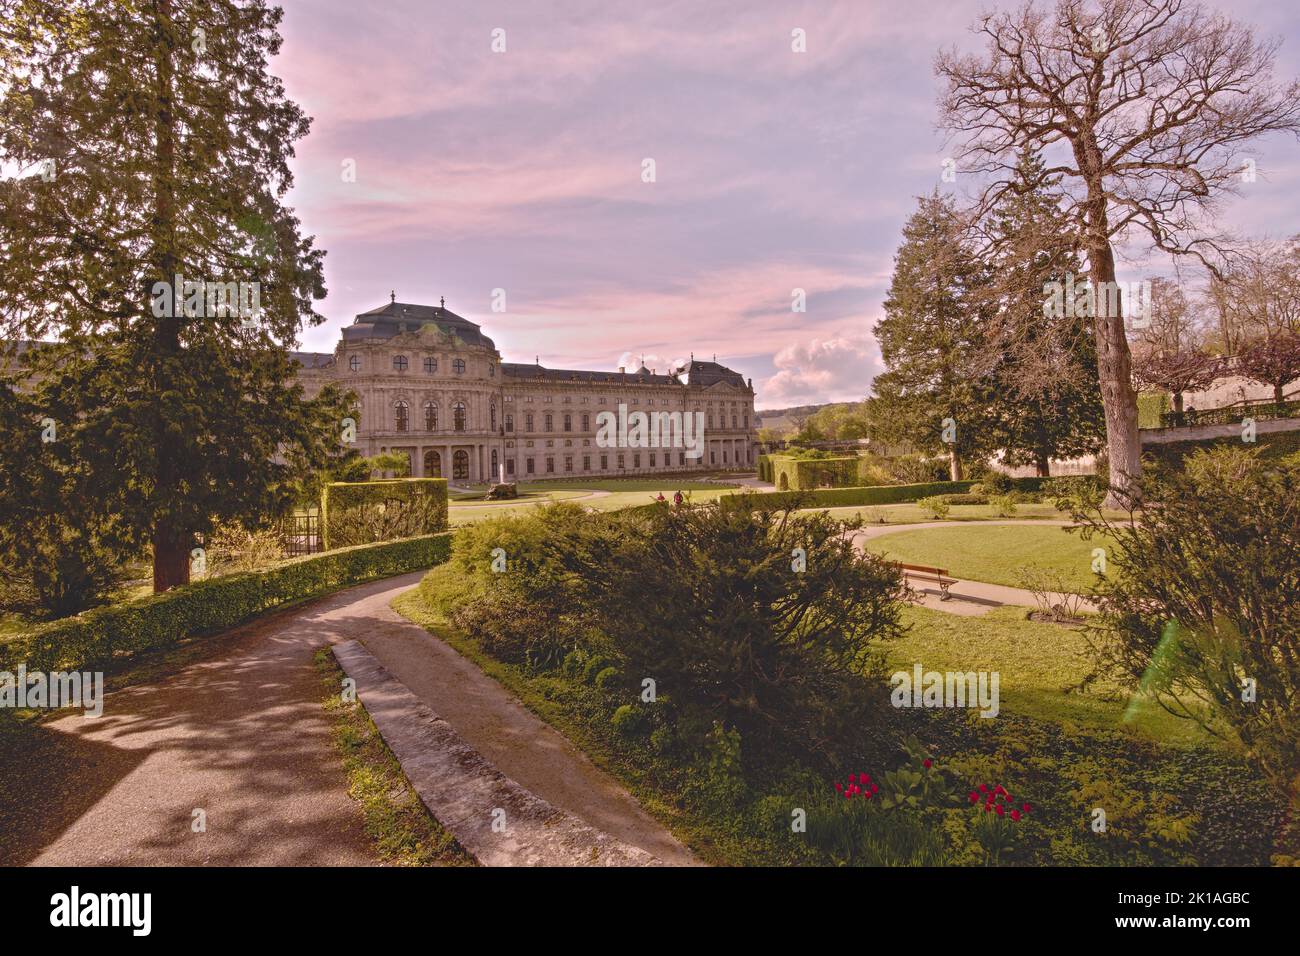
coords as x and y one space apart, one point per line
1043 360
932 339
153 146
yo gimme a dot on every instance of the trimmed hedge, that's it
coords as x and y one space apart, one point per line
121 630
364 512
1270 444
869 495
808 473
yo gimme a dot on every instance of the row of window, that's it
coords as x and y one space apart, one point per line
460 463
460 419
401 363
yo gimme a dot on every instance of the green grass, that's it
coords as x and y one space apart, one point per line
1043 671
614 495
995 553
401 828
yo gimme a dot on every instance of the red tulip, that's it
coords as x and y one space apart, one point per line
925 762
875 787
1025 808
974 797
984 788
867 795
1015 814
839 786
999 809
987 808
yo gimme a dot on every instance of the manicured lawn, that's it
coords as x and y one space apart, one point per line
995 553
598 495
1040 666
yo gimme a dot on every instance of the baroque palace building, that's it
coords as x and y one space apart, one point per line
432 386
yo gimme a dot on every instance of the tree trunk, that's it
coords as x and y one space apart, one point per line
1044 464
1114 364
1277 394
171 565
954 465
1178 402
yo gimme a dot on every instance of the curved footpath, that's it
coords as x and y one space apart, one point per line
242 736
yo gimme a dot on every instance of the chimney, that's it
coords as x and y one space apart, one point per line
622 369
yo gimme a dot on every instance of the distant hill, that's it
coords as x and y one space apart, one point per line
783 420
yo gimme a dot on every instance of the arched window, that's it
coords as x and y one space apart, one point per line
458 366
458 417
430 416
493 411
494 464
354 363
510 422
399 363
402 418
460 465
432 464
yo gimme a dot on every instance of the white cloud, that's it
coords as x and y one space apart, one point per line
835 369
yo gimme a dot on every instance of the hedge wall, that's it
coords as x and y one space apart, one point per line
364 512
120 630
873 494
1270 444
809 473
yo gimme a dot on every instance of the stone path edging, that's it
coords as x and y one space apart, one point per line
467 793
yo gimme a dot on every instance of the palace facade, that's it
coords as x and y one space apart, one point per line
433 387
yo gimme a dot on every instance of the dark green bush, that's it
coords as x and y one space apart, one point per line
98 636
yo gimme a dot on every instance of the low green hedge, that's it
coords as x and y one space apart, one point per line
1270 444
120 630
869 495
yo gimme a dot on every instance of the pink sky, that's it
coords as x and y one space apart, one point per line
521 171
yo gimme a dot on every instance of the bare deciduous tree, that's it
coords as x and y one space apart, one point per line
1142 107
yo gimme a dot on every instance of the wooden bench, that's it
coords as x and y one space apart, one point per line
939 575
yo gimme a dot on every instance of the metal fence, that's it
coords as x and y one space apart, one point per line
302 534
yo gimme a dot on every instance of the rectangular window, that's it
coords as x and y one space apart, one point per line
550 466
586 463
510 466
652 459
529 467
681 458
621 463
604 462
568 463
636 460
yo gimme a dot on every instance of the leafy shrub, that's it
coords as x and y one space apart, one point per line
936 506
631 720
997 483
1199 602
160 620
1075 493
606 679
1004 506
724 619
